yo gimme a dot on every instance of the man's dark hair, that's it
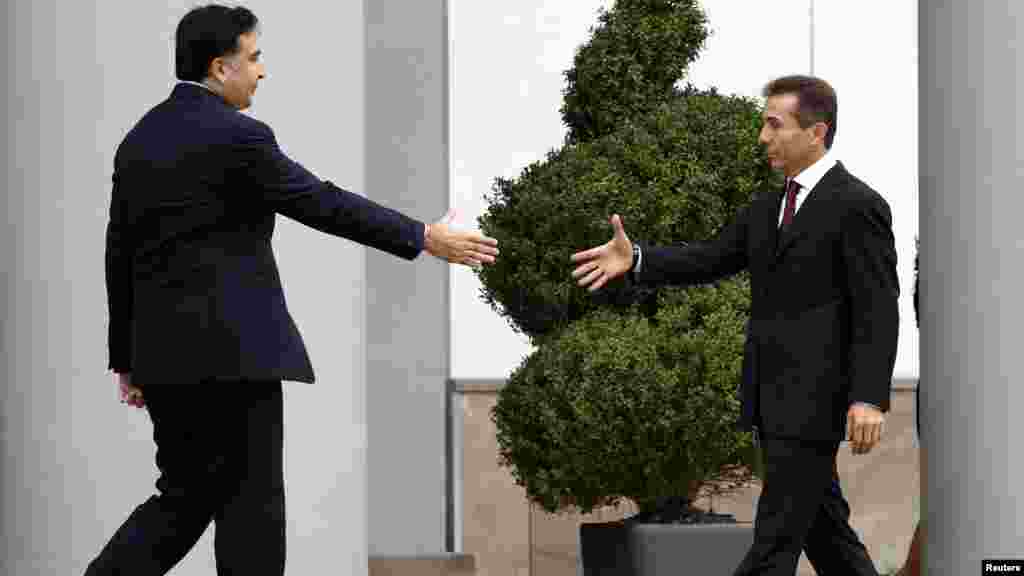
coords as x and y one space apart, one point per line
816 101
209 32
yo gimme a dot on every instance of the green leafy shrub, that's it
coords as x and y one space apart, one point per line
631 392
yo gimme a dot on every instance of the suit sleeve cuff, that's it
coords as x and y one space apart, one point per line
419 231
634 272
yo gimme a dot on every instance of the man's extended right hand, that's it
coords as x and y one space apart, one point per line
458 246
606 262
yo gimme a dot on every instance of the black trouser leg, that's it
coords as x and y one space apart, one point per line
250 524
155 537
219 455
796 484
832 546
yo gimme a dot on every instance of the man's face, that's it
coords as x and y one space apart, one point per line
239 73
789 147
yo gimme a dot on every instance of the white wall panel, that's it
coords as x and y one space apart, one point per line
868 52
507 63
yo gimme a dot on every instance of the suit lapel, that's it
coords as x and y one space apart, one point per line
809 212
766 224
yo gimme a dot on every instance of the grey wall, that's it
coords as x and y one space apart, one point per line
972 131
407 303
73 461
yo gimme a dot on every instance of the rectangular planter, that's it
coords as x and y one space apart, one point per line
622 549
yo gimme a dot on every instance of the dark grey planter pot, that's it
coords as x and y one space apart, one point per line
623 549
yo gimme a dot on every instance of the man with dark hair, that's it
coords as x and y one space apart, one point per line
821 340
199 330
817 99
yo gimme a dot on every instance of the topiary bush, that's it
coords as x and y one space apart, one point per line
619 406
635 56
631 392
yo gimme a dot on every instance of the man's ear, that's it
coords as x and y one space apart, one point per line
215 71
220 69
820 131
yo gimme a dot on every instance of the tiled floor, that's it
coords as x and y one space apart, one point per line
510 538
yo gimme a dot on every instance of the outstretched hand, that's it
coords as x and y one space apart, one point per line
459 246
606 262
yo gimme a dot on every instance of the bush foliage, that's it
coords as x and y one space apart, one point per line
631 392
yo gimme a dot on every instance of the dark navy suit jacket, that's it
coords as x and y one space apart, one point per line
824 319
192 284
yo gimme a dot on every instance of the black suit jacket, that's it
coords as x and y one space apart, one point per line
824 318
192 285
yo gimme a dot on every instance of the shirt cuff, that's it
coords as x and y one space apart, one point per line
867 404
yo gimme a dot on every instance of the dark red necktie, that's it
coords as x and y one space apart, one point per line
791 190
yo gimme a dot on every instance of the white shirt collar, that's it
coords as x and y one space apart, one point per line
195 84
813 174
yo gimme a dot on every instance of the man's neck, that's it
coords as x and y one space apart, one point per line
205 84
817 155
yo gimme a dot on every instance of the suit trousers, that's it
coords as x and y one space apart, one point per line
219 455
802 508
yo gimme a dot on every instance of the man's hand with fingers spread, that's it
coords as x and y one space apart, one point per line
458 246
606 262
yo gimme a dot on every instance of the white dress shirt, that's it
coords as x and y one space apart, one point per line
808 179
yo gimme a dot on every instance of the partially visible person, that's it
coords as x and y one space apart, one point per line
200 334
912 565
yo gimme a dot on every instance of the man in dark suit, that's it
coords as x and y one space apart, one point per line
821 342
199 330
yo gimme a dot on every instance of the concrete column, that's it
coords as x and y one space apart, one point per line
972 280
407 302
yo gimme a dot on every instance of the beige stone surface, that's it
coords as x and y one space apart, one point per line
496 515
456 565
